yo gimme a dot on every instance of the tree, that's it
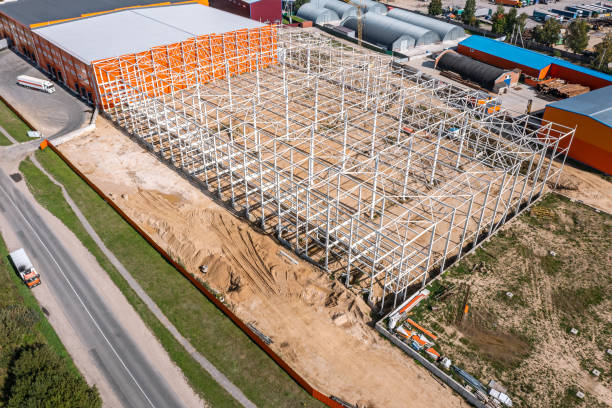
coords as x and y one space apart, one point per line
510 22
435 7
548 33
577 36
38 377
469 12
297 4
603 53
498 21
521 21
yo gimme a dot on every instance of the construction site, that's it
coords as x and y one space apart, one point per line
313 190
374 174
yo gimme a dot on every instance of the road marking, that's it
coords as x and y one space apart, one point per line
78 297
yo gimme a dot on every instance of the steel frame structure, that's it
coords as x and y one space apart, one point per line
355 164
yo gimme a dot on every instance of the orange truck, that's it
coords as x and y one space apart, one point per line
24 268
513 3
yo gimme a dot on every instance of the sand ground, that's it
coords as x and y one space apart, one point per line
322 330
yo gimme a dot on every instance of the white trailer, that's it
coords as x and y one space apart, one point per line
24 268
35 83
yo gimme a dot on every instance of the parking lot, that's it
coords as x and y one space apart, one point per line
52 114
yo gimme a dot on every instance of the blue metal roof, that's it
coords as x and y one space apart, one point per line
596 104
524 56
507 51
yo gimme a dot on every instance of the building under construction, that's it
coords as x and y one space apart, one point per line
360 167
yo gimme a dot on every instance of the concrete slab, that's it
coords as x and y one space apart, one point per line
52 114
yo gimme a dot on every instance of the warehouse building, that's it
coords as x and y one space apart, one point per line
342 9
318 15
370 6
591 115
392 34
446 31
265 11
485 75
67 50
18 19
507 56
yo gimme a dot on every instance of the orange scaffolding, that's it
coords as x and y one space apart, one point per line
202 59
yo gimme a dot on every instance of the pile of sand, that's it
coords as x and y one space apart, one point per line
323 330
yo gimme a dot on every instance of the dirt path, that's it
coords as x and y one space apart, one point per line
320 328
7 135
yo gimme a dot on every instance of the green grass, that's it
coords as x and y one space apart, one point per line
50 196
4 141
206 327
13 124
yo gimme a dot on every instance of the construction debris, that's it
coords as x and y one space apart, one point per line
560 89
541 212
407 306
259 334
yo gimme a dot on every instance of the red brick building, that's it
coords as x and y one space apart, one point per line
265 11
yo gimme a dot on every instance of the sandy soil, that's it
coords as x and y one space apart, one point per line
117 303
319 327
586 186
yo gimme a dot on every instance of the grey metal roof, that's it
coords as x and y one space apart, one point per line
445 31
342 9
123 32
596 104
39 11
370 6
318 15
382 31
386 30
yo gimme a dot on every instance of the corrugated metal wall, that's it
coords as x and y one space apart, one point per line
592 144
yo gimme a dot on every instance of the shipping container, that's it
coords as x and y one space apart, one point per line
35 83
513 3
565 13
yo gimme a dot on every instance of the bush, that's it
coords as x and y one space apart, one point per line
37 377
16 322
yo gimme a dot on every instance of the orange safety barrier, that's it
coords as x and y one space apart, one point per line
209 295
413 302
421 328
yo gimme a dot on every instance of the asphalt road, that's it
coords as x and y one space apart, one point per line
125 366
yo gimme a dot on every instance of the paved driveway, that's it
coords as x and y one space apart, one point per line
52 114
